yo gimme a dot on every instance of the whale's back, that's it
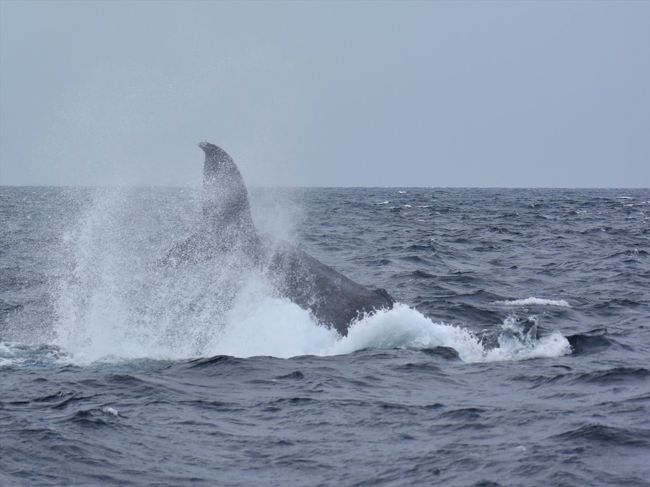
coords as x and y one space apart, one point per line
333 299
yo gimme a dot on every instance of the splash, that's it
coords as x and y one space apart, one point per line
116 302
405 327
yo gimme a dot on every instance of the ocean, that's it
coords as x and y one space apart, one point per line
518 353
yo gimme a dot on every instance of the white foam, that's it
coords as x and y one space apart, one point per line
260 324
117 305
279 328
6 349
14 354
532 301
405 327
110 410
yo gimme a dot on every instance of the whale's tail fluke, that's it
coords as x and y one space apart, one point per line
225 199
213 150
228 227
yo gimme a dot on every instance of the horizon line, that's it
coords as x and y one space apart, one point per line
98 186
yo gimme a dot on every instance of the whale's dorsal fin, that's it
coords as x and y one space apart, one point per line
225 199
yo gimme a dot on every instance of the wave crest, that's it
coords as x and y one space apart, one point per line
533 301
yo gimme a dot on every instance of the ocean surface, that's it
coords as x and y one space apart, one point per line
519 354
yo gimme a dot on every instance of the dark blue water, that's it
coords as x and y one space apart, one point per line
518 357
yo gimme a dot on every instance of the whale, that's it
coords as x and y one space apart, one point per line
226 225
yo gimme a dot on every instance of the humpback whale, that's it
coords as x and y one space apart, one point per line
227 225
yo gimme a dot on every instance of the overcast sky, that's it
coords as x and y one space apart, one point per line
327 94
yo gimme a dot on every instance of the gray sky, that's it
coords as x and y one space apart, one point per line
327 94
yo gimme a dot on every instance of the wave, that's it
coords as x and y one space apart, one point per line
607 435
585 343
533 301
14 354
405 327
615 375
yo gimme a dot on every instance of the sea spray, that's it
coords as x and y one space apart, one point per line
405 327
119 302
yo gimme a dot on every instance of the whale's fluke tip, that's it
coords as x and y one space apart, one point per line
210 149
205 145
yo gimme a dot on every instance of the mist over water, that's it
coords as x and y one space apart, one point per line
518 343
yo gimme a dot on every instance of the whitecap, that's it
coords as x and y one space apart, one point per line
405 327
535 302
110 410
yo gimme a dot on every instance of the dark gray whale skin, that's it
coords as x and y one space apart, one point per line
227 225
